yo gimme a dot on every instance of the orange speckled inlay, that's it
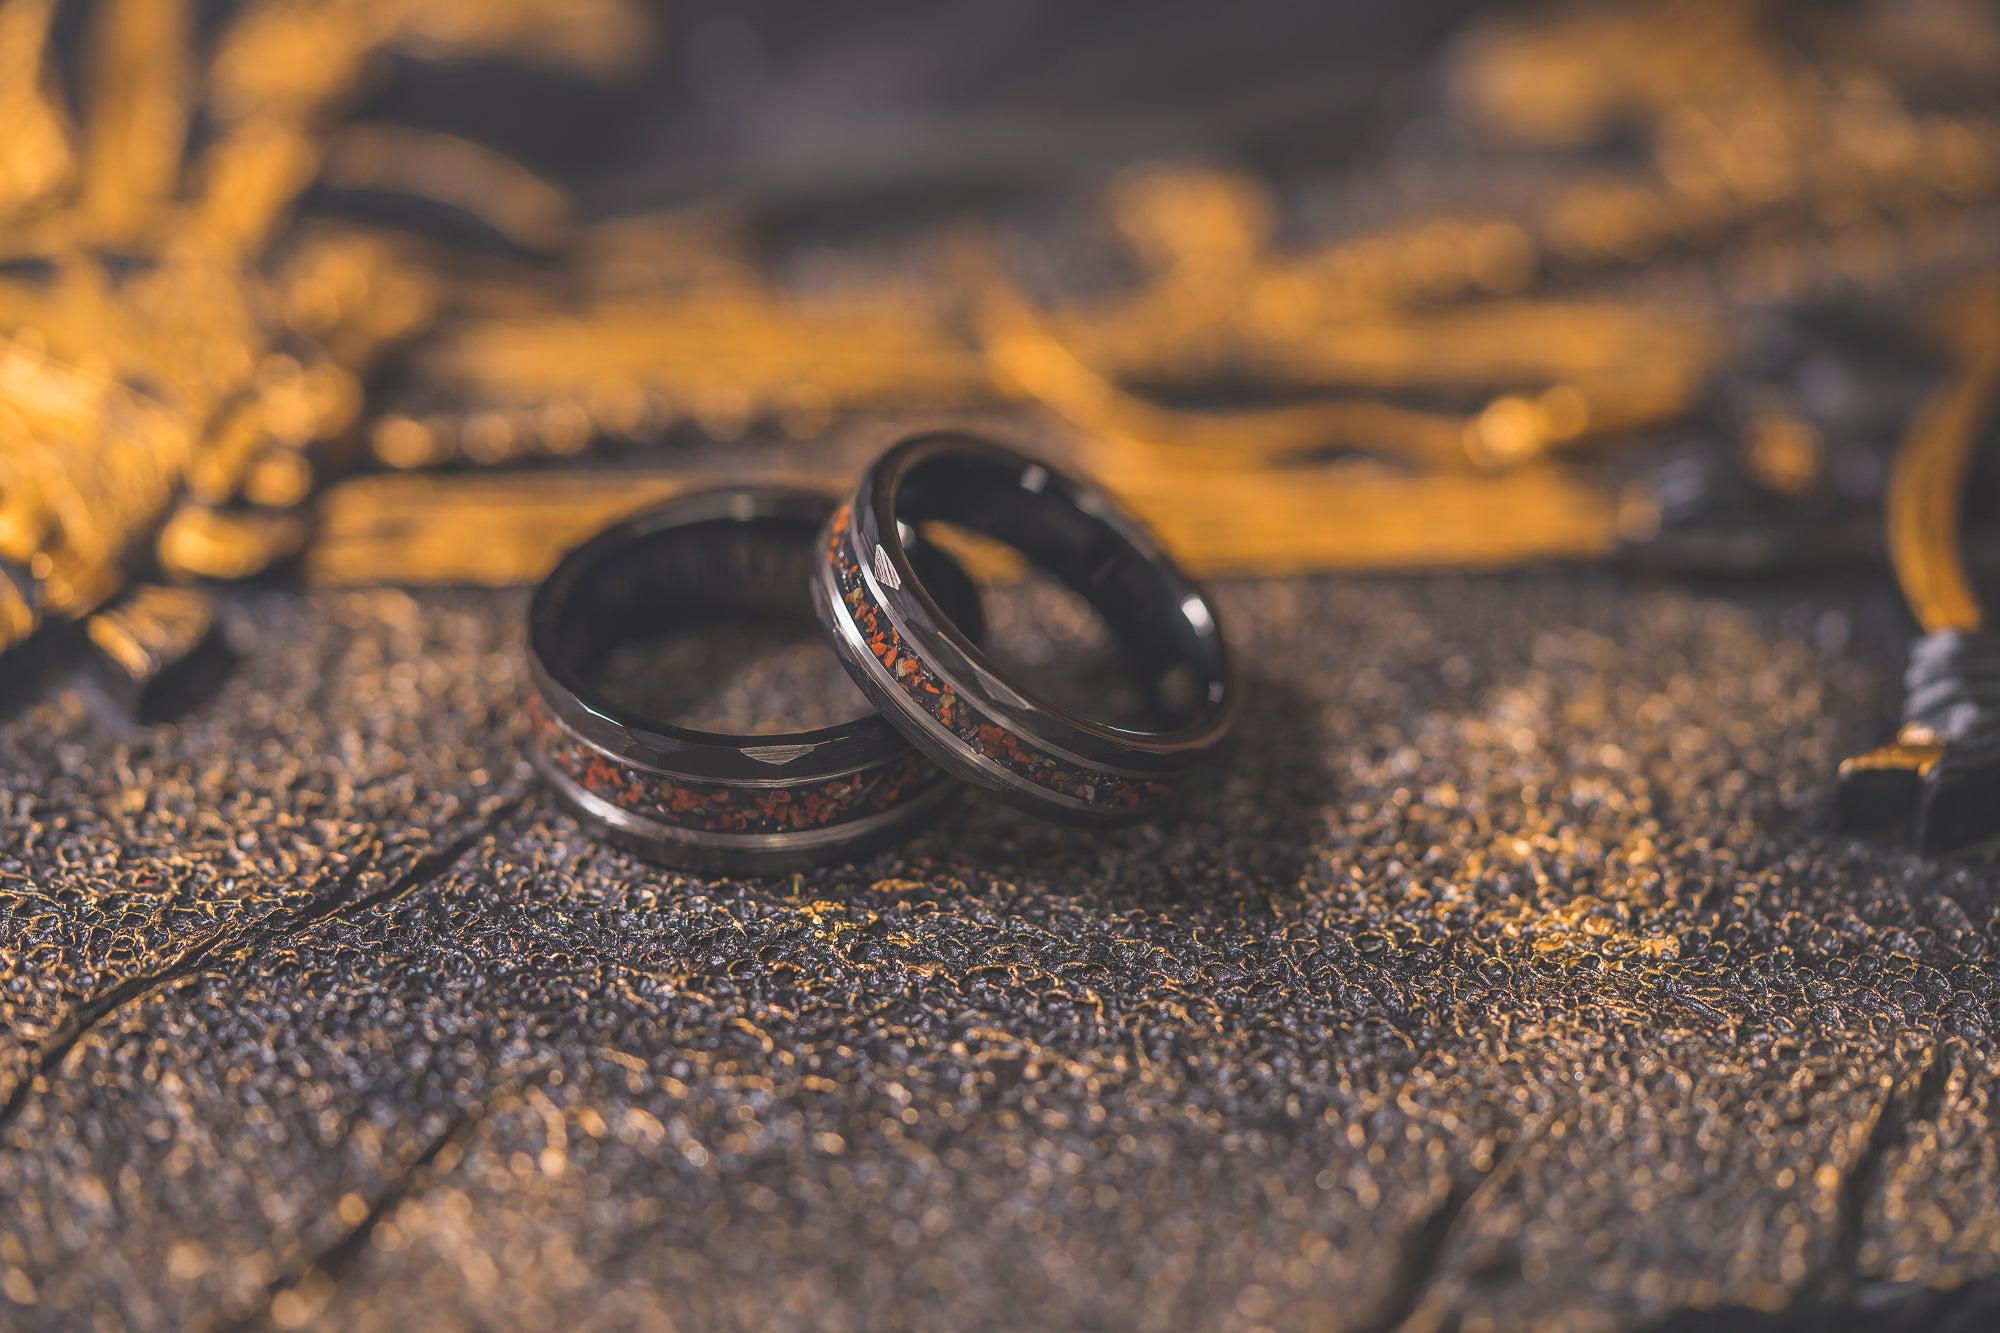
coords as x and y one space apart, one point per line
963 719
720 807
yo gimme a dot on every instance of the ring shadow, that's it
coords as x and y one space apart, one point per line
1241 834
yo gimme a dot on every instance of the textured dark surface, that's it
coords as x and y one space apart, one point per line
1507 971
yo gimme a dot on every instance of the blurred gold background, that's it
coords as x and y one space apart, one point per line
204 377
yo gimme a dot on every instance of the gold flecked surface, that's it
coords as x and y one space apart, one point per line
1507 972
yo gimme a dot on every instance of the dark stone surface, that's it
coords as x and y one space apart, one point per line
1508 971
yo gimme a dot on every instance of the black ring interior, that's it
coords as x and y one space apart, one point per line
1141 596
678 577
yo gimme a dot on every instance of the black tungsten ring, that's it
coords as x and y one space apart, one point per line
907 650
703 800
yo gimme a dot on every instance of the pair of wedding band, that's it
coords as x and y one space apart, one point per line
906 623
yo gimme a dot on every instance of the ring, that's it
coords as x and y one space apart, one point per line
709 800
912 656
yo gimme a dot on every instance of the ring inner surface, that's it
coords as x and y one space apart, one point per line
707 625
1170 651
